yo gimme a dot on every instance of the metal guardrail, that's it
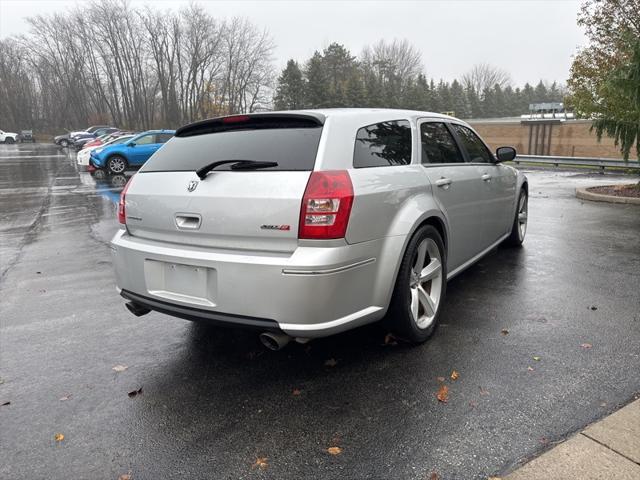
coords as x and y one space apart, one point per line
602 163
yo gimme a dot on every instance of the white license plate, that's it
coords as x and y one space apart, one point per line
184 283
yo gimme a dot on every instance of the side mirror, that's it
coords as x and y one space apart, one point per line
132 144
505 154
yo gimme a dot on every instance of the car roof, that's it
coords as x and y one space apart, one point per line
156 131
369 113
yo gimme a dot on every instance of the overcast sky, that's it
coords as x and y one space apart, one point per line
532 40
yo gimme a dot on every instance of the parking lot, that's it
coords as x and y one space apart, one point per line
544 338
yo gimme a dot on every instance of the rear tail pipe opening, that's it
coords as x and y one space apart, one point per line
136 309
274 341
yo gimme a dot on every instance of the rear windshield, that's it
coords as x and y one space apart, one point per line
291 148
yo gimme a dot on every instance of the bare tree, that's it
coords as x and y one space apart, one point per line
397 58
106 61
483 75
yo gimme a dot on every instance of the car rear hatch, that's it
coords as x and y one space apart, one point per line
255 209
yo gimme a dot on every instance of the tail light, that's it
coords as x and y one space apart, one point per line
326 205
122 205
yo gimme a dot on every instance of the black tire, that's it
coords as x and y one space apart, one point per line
516 237
399 315
64 143
9 141
116 164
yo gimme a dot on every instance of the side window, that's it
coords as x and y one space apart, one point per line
164 137
383 144
146 140
478 152
438 146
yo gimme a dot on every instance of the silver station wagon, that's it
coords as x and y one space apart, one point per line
303 224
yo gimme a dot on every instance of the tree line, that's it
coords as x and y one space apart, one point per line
138 68
390 74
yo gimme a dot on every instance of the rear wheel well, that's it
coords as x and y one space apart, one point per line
437 223
525 186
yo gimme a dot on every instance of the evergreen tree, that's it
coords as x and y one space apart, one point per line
290 92
444 97
459 102
317 82
540 92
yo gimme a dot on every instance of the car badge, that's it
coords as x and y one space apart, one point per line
192 185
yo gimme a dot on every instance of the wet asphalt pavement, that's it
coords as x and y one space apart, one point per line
213 402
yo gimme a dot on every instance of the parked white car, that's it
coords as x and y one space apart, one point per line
85 154
305 224
8 137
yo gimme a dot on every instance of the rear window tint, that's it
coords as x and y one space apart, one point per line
291 148
383 144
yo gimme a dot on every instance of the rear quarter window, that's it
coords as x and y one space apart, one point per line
383 144
291 148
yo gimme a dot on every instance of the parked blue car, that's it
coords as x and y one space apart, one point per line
117 158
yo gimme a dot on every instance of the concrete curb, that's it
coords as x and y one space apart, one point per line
608 449
584 194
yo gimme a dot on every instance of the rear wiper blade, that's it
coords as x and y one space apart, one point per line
236 165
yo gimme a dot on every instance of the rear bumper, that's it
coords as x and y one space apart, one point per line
311 292
198 314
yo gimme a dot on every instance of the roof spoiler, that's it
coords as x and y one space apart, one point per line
254 121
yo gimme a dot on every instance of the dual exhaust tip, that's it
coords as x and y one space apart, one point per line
272 340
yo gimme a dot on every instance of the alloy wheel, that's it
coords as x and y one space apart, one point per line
116 165
523 207
425 283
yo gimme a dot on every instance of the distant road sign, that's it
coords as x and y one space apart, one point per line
546 106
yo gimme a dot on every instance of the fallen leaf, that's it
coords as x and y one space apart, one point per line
261 463
5 404
58 437
603 404
504 331
296 392
537 359
494 478
473 404
440 379
483 392
389 339
334 450
38 273
65 398
586 346
531 369
119 368
455 375
443 394
1 381
332 362
133 393
252 355
434 476
125 476
593 307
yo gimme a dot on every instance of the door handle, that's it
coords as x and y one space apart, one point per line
443 182
486 177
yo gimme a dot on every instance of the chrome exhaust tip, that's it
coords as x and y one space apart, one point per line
274 341
137 310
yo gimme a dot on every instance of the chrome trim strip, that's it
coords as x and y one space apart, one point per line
287 271
473 260
329 326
